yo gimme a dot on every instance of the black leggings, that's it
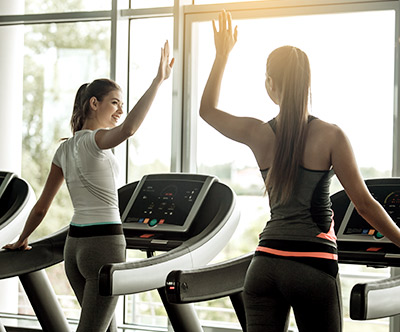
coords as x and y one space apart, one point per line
274 284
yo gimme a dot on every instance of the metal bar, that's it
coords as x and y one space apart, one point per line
68 17
44 301
147 12
282 4
396 98
182 316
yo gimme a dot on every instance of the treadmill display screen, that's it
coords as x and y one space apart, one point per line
169 204
355 227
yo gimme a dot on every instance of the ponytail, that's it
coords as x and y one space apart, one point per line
289 68
98 88
79 112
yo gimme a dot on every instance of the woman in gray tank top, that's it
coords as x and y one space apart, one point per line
295 264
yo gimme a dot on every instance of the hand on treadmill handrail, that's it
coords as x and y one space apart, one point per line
19 245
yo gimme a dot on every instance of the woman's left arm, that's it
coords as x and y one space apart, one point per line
39 210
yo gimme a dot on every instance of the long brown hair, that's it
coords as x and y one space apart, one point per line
289 69
98 88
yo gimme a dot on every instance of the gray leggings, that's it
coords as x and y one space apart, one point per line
274 284
84 256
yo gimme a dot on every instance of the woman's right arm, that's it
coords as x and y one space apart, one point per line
39 210
107 139
346 169
240 129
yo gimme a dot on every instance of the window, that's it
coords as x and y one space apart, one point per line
150 148
58 59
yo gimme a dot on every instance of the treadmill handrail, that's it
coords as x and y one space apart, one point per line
45 252
7 179
208 283
377 299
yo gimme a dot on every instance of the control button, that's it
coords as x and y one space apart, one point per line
379 235
146 236
153 222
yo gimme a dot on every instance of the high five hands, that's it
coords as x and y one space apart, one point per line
225 38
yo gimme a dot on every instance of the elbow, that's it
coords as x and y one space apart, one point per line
204 110
365 207
39 212
127 132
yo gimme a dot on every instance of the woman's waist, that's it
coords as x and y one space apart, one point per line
89 216
95 229
297 248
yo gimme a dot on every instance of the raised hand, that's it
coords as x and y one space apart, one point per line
165 67
225 38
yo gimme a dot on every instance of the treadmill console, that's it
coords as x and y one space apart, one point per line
354 228
166 203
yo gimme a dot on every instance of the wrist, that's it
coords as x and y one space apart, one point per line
157 81
222 57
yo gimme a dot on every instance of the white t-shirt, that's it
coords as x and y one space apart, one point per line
90 174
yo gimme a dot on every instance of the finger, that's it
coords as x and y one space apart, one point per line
172 63
224 19
214 27
230 22
166 48
220 22
235 34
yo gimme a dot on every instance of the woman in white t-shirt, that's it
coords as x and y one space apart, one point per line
90 170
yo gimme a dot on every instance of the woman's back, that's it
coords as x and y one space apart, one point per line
319 142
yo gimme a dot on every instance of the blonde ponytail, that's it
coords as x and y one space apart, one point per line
289 68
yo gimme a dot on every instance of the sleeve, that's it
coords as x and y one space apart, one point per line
57 156
91 146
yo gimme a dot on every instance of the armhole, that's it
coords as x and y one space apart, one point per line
272 124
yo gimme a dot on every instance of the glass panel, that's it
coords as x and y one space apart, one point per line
150 147
56 6
151 4
202 2
58 58
352 86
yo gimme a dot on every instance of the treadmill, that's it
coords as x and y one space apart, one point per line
189 218
358 243
16 201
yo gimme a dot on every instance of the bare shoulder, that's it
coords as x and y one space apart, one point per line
323 125
325 130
